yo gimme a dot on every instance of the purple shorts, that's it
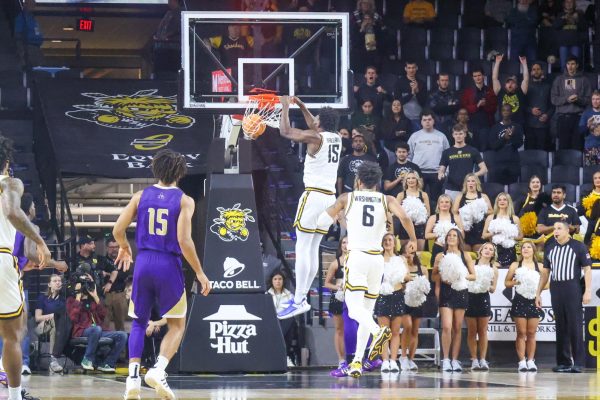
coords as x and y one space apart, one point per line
157 280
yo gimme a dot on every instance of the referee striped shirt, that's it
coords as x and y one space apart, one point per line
566 261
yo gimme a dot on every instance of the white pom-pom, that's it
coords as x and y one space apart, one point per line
397 272
339 295
453 271
529 280
416 291
415 209
472 213
504 232
484 275
386 289
441 229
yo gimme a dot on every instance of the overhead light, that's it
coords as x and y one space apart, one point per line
68 28
56 41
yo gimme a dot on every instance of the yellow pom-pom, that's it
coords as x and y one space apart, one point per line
529 223
595 248
588 202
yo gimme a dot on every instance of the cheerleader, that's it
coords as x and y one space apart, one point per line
524 276
587 201
531 205
416 204
592 235
390 308
451 271
479 310
415 269
473 206
503 228
334 281
439 224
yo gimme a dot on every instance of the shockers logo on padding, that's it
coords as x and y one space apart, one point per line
230 329
231 223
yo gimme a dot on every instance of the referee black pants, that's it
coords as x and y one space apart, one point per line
568 318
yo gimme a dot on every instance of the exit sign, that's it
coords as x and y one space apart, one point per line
85 24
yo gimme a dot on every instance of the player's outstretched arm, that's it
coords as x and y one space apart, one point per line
328 216
308 117
30 249
309 136
405 220
125 257
184 237
12 190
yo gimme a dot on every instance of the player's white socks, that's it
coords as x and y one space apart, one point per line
362 338
303 265
161 363
14 393
134 370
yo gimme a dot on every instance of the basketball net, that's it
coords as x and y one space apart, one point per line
263 105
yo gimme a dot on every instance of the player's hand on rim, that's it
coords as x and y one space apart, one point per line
205 283
123 260
285 101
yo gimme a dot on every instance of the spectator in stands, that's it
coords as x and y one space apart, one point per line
48 303
369 46
366 7
419 12
281 296
334 281
549 10
28 35
346 141
591 150
591 116
480 101
395 127
557 211
571 94
87 314
114 289
166 47
232 46
496 12
411 91
394 175
366 118
87 255
522 22
371 89
462 118
444 102
350 163
539 111
458 161
505 139
511 93
570 27
426 148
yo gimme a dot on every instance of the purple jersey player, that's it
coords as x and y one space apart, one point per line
163 234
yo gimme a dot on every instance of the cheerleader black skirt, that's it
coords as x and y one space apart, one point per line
479 305
506 256
455 299
391 305
403 235
524 308
335 306
473 236
415 312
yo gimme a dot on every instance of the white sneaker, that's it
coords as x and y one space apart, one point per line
385 366
1 366
475 364
25 370
157 380
394 367
290 363
523 366
483 365
413 366
531 366
456 367
446 365
404 365
294 309
133 388
55 365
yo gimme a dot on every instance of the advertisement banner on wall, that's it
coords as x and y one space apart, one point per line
501 325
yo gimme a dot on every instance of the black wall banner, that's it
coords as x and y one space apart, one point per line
232 333
232 254
112 128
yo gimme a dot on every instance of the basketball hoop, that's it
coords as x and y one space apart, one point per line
262 111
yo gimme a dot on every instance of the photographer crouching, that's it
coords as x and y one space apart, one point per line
87 313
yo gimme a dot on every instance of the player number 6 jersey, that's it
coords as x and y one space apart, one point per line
366 218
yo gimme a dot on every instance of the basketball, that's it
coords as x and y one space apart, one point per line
253 126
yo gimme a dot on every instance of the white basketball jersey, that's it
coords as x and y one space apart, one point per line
366 218
320 169
7 231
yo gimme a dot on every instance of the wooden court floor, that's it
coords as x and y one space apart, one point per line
317 384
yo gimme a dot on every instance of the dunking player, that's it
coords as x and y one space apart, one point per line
12 317
324 147
163 233
366 218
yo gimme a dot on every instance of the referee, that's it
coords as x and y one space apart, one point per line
564 260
